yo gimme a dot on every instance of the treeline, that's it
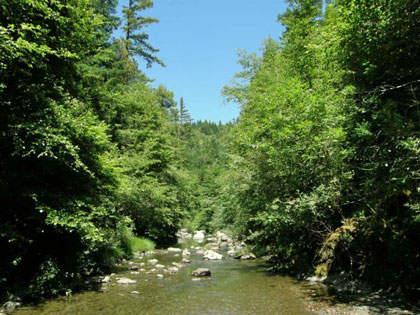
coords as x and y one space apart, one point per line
324 167
89 150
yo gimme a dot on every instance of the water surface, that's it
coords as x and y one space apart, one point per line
236 287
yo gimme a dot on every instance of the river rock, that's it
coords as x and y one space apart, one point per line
186 252
135 292
174 250
186 261
173 270
231 252
106 279
10 306
134 273
199 235
152 262
159 276
178 265
126 281
222 236
212 255
134 268
159 266
201 272
249 256
142 264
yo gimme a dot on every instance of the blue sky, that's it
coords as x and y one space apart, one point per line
198 41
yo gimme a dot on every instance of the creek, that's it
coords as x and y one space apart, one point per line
235 287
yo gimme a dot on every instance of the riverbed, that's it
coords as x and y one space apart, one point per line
235 287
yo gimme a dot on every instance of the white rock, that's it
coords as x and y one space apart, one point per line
186 252
212 255
174 250
199 235
106 279
126 281
186 261
135 292
152 262
159 276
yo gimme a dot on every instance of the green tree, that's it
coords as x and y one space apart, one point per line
135 38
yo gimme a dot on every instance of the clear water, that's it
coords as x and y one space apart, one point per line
236 287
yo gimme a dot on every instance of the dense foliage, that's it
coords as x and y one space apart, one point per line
88 148
325 152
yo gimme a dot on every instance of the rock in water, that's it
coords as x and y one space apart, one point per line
199 235
174 250
201 272
159 276
212 255
249 256
152 262
126 281
186 252
135 292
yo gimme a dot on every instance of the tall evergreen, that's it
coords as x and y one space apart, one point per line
135 38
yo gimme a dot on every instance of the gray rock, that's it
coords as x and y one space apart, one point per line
186 252
126 281
159 266
135 292
201 272
152 262
134 268
186 261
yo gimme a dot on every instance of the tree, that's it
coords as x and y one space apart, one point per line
135 38
184 115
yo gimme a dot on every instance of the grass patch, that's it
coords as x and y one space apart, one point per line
139 244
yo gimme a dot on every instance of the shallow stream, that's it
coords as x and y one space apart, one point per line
236 287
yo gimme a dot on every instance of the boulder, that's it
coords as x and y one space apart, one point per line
186 261
159 266
186 252
199 235
174 250
126 281
159 276
201 272
152 262
135 292
134 268
212 255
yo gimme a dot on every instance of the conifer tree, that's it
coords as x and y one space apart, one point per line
136 39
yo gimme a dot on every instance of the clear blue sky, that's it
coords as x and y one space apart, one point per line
198 41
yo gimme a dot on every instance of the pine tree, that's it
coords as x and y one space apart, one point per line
136 40
184 115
